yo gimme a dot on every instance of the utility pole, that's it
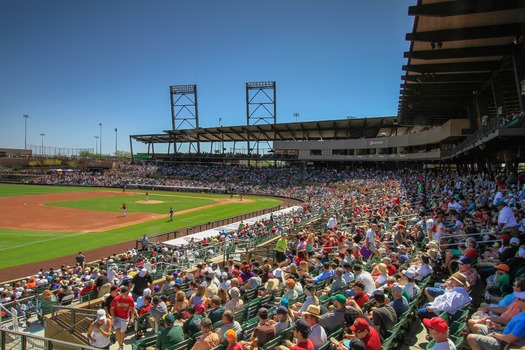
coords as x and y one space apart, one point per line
100 148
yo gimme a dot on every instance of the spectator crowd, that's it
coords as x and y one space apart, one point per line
391 248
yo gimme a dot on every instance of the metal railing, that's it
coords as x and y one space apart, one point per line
490 126
77 319
11 340
166 236
461 238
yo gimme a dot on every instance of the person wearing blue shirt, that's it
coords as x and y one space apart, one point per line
453 300
325 274
514 332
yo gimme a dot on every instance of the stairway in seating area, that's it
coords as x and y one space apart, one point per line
70 324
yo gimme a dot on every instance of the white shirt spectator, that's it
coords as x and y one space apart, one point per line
371 235
367 279
423 271
349 277
498 197
225 284
506 217
331 222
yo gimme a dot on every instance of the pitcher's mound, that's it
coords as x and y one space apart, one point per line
149 202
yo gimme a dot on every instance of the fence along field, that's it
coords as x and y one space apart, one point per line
38 223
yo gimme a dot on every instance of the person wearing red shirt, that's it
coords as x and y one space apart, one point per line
360 298
122 311
231 338
362 330
300 333
88 288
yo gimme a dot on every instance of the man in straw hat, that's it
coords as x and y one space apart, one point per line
317 333
455 298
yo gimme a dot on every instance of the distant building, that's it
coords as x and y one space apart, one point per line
15 153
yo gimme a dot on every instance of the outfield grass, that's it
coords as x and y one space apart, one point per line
18 247
179 202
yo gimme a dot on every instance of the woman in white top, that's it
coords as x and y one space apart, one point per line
99 331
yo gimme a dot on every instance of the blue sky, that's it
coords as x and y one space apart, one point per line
70 65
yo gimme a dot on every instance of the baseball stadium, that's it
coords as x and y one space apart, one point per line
395 232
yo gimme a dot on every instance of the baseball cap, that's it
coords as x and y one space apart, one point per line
379 295
230 335
101 314
514 241
281 310
302 326
339 298
464 260
169 319
397 288
234 292
436 323
360 324
263 312
498 203
505 237
503 267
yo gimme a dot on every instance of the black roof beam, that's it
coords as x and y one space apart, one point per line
453 67
450 78
463 7
451 98
430 87
483 32
436 94
465 52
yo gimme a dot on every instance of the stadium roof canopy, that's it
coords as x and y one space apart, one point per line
317 130
458 49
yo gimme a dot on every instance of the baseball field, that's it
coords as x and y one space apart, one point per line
39 223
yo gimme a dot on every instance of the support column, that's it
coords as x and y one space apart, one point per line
518 62
482 106
472 112
497 94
